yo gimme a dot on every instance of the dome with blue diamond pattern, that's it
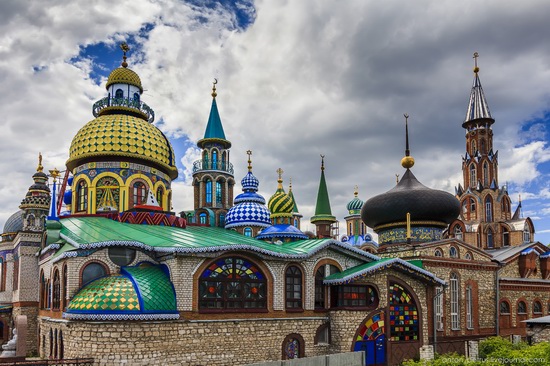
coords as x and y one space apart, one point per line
249 209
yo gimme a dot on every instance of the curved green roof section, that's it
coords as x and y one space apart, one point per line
142 292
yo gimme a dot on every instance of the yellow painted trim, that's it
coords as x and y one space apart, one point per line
77 180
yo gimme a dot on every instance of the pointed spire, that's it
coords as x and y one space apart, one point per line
323 211
517 213
295 207
53 209
477 105
249 153
408 161
214 128
280 179
39 168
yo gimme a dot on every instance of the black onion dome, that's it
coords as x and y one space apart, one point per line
410 196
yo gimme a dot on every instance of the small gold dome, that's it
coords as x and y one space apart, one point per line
123 75
125 136
407 162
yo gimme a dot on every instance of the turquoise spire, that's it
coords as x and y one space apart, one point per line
214 128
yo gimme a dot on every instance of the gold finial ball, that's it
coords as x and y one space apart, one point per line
476 69
407 162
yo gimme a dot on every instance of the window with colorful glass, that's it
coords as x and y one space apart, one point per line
354 296
232 283
404 324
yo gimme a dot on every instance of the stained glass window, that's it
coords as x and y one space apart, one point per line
107 196
214 159
248 232
218 194
292 349
82 196
372 328
354 296
232 283
208 191
293 280
140 192
403 315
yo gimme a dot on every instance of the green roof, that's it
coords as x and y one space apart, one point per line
366 269
97 232
322 208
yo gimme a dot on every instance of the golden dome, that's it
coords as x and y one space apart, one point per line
123 75
125 136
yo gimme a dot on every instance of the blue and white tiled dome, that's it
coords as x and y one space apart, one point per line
249 209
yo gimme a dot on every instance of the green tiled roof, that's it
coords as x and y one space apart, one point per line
97 232
363 270
323 211
142 292
154 286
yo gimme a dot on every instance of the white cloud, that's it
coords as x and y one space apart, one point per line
307 78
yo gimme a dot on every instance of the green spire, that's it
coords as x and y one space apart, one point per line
214 128
322 208
295 207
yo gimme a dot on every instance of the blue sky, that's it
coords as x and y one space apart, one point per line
296 80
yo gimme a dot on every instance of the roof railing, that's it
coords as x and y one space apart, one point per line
108 103
218 165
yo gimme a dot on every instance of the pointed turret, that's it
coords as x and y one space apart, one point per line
478 109
296 215
213 174
323 218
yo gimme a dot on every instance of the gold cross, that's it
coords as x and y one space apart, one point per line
280 172
249 152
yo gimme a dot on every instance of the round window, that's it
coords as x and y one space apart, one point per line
122 256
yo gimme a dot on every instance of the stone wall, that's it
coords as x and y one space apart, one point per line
227 342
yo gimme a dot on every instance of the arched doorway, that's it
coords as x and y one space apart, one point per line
371 338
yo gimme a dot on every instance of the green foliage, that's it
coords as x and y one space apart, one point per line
495 351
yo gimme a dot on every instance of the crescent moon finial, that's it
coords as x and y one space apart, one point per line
214 94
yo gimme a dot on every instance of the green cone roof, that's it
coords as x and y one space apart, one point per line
322 208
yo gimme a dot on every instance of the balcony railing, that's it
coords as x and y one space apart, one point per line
213 165
139 106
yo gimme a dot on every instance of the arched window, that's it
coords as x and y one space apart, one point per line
490 239
522 308
469 308
222 220
505 237
82 196
136 99
218 194
293 285
453 252
140 193
455 301
121 256
537 307
56 290
43 291
488 209
473 177
248 232
439 308
61 347
2 282
474 147
526 234
472 208
350 231
293 347
224 159
202 218
504 308
208 190
214 159
438 253
91 272
160 195
233 283
485 174
320 288
458 232
404 313
322 335
119 94
107 194
468 256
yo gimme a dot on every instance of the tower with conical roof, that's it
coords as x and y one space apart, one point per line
249 215
296 215
213 174
120 157
325 223
486 208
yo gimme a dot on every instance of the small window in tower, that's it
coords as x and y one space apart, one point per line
490 240
119 94
202 218
209 191
218 194
458 232
486 174
526 234
488 209
222 220
248 232
473 175
136 99
140 193
214 159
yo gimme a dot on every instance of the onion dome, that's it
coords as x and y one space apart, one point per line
249 209
354 206
143 292
410 196
410 211
280 204
123 75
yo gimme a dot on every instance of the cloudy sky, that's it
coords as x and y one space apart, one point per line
296 79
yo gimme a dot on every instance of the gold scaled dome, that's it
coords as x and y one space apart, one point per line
123 75
122 135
